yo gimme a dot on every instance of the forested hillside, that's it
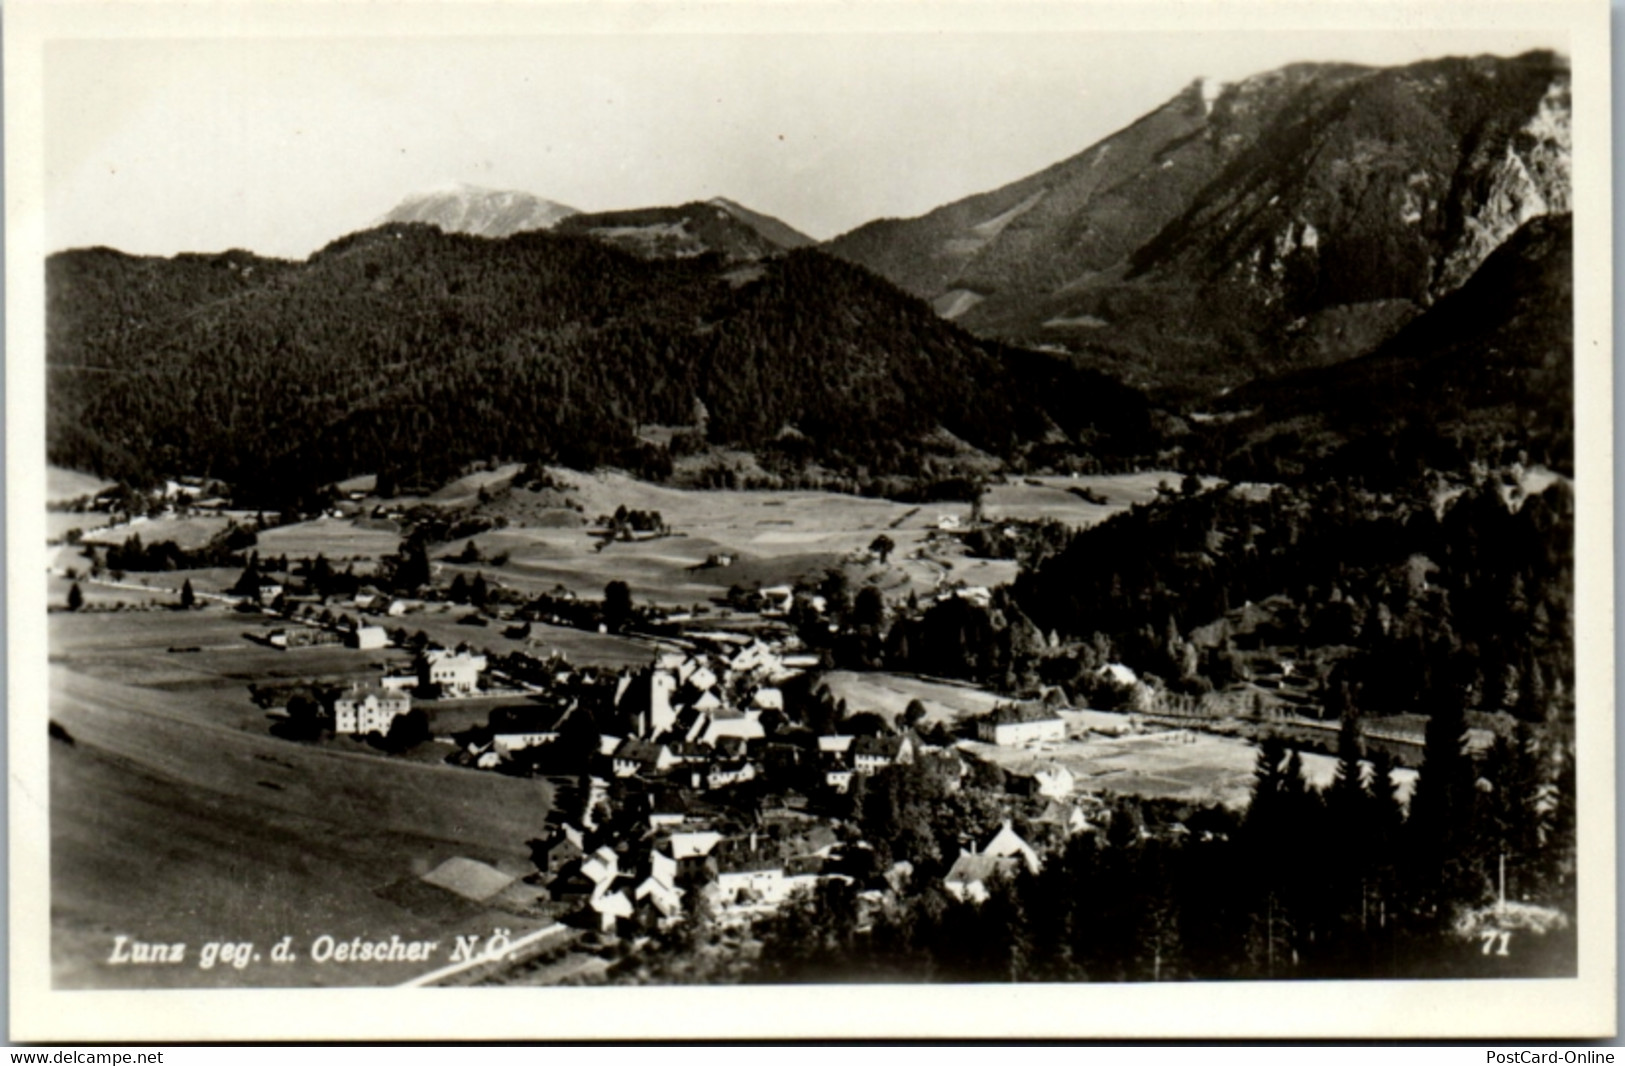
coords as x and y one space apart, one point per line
1391 604
409 352
1485 375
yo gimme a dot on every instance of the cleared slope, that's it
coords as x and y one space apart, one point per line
168 827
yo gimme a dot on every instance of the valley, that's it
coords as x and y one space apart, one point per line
1159 567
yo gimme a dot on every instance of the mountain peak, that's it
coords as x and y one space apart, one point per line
461 207
1294 217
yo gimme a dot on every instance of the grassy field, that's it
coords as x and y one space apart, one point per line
889 695
1169 764
340 539
62 484
579 646
778 537
169 827
189 533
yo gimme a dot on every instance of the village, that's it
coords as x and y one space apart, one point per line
685 784
707 761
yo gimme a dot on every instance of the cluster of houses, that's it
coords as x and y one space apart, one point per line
655 816
372 707
663 854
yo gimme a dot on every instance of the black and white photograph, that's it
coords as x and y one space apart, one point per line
588 508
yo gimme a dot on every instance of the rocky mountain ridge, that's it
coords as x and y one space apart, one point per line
1294 218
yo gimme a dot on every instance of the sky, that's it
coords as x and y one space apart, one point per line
280 144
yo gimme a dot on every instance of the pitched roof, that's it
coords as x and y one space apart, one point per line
644 751
361 690
971 869
884 747
1011 713
470 879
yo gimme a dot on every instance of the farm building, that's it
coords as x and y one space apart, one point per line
455 674
367 638
1004 856
872 754
303 637
368 709
634 756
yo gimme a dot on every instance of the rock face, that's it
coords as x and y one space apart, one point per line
1293 219
1491 362
482 212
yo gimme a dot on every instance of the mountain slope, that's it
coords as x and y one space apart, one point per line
690 229
1294 218
1485 374
107 298
482 212
410 351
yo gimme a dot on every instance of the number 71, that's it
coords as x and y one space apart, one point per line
1497 939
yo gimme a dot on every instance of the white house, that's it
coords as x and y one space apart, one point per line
694 845
611 908
508 743
779 599
1054 781
367 638
368 709
968 877
721 775
457 674
634 756
872 754
601 868
754 880
1007 844
1004 856
660 887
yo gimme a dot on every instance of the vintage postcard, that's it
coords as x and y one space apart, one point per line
560 520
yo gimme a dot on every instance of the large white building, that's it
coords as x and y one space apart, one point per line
368 709
1012 726
367 638
455 673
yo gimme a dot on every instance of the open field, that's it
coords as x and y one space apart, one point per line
1105 750
579 646
1051 498
167 827
189 533
888 695
1172 764
777 537
59 523
135 589
340 539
